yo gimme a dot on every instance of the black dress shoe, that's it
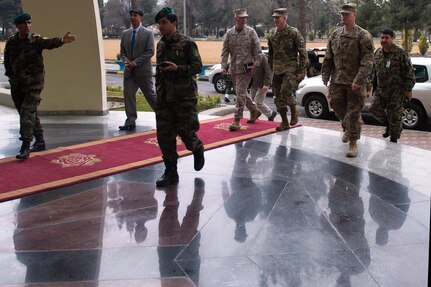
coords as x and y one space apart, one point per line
127 128
38 146
199 159
24 152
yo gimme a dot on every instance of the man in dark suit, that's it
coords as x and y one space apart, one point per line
137 48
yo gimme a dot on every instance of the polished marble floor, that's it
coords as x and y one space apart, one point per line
287 209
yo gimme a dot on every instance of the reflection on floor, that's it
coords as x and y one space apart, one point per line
287 209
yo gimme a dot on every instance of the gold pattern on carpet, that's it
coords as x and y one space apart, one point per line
76 160
225 126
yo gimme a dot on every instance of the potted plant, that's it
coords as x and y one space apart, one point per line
119 61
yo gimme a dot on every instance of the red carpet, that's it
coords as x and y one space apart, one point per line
68 165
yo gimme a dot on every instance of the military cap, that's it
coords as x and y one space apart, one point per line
165 11
241 12
348 8
21 18
137 11
280 12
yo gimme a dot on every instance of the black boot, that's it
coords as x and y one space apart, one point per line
199 158
386 133
24 152
170 177
38 145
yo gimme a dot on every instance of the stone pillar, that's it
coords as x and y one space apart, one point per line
75 80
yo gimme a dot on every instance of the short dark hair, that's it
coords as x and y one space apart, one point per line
388 31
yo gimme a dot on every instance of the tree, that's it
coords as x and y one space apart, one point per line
405 15
8 10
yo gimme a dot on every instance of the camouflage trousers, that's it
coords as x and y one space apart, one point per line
347 105
177 118
284 87
26 103
241 83
387 108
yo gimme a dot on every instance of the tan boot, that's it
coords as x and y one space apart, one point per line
353 149
294 116
235 126
254 115
345 138
284 125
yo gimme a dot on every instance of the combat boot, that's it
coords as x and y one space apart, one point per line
235 126
38 145
284 125
294 116
345 138
199 159
24 152
254 115
386 133
353 149
170 177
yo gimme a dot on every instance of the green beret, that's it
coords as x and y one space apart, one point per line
21 18
165 11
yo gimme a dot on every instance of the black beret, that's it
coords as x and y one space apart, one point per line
165 11
21 18
137 11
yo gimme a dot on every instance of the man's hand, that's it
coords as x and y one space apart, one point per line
325 83
170 67
223 71
67 38
265 89
300 77
409 95
129 65
253 69
355 87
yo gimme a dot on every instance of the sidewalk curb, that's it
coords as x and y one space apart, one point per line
115 72
221 111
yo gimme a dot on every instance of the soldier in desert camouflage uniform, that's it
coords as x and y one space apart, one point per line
178 62
393 79
288 60
24 67
348 64
243 45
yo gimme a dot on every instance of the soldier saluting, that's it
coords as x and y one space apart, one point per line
23 62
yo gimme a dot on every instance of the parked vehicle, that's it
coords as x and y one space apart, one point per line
315 56
312 95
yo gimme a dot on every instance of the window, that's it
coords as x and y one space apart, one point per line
421 73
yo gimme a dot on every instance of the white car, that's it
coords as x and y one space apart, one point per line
312 95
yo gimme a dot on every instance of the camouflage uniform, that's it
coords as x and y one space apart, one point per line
24 66
392 77
284 48
176 111
348 59
243 47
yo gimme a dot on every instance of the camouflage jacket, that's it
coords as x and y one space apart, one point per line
181 84
393 70
23 59
263 74
349 57
287 52
243 47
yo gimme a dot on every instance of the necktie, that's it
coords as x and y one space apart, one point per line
132 43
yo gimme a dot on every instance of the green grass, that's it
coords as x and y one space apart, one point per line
205 102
